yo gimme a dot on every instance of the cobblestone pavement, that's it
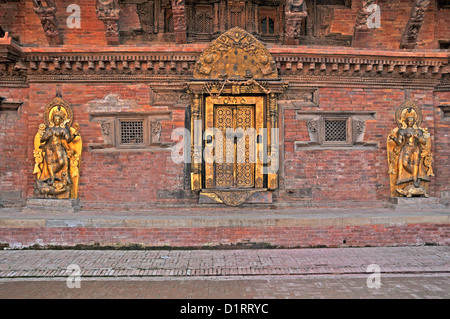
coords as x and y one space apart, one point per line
406 272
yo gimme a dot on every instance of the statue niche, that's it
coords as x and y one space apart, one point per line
57 153
409 153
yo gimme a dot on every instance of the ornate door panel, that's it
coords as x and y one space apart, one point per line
237 121
224 147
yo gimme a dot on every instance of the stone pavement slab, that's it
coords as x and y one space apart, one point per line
227 289
244 262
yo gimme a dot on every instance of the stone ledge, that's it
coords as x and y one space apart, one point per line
37 205
400 203
223 220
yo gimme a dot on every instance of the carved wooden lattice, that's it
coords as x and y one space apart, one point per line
132 132
335 130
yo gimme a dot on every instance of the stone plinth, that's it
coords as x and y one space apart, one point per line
235 197
415 203
36 205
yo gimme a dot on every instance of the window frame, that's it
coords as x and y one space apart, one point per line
349 137
145 132
267 25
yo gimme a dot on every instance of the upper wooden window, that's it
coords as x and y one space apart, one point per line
267 26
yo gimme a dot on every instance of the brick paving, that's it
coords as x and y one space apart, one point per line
404 286
148 263
406 272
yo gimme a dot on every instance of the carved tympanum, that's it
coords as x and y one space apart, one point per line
235 54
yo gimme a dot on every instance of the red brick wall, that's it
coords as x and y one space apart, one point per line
337 177
442 143
111 177
350 175
362 235
442 25
21 20
14 164
394 17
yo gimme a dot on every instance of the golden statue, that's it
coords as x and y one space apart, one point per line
409 153
57 152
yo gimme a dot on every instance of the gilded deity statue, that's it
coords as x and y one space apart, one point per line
57 153
409 153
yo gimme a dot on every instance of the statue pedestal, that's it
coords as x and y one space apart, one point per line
235 197
415 203
37 205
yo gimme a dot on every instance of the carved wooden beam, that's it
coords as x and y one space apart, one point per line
361 28
295 13
108 12
179 20
411 33
47 15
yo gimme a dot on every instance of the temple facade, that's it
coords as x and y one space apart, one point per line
125 104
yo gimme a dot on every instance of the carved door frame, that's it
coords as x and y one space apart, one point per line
239 93
238 66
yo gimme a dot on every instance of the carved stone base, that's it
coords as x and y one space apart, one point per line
36 205
235 197
415 203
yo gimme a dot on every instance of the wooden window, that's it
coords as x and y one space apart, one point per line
336 130
267 26
169 24
204 23
132 132
444 45
235 17
443 4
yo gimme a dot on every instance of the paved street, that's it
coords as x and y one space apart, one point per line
404 272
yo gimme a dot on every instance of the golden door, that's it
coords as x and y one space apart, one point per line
232 127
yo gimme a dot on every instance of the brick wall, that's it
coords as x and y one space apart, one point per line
20 19
141 178
14 166
442 143
350 175
394 17
112 176
354 236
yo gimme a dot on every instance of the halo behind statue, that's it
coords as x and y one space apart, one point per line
408 109
58 106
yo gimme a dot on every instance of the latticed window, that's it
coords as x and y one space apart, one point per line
132 131
235 18
335 130
267 26
169 24
204 23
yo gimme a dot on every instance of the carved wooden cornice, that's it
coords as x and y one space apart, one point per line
299 66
